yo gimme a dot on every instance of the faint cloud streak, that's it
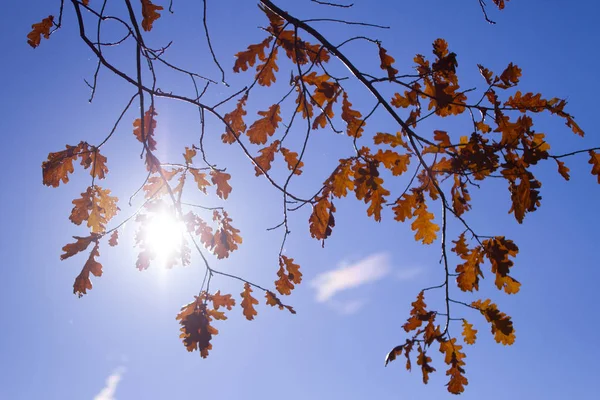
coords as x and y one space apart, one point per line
348 307
367 270
109 389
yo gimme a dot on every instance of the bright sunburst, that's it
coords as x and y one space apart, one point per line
164 235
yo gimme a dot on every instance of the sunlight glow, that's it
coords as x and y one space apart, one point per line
164 235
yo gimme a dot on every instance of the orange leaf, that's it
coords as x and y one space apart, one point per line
291 158
283 284
502 327
563 170
147 136
469 333
81 244
510 76
404 207
96 207
468 272
393 140
425 229
322 220
196 330
114 239
355 125
82 282
247 58
221 180
235 122
264 127
454 358
40 29
60 164
273 301
248 302
265 73
417 314
368 187
149 14
220 300
92 158
200 179
267 155
189 155
595 162
386 63
226 238
393 161
423 360
339 181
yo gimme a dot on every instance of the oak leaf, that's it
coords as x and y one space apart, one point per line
95 206
248 302
396 163
247 58
340 181
59 165
322 220
262 128
82 282
417 313
189 155
563 170
469 334
501 324
147 136
595 162
149 14
426 230
40 29
273 301
222 300
226 238
267 155
291 158
200 178
423 360
196 330
221 180
114 239
386 63
234 121
265 74
355 125
80 245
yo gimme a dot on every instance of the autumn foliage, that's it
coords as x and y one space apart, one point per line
443 171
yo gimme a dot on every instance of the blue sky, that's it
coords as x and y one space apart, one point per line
121 339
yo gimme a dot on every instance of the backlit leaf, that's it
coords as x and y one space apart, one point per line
263 128
221 180
248 302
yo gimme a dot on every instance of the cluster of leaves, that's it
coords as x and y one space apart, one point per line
445 169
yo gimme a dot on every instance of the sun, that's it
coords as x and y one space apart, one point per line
164 235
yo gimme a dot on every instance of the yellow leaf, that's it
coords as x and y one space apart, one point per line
469 334
425 229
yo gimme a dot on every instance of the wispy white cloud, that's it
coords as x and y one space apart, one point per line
347 307
109 389
408 274
367 270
